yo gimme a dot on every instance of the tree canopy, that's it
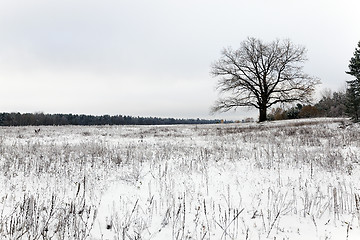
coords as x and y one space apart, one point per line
261 75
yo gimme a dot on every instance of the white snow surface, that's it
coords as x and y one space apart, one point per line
295 179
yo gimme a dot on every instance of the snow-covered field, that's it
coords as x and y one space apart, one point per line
277 180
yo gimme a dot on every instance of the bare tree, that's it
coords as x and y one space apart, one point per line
262 74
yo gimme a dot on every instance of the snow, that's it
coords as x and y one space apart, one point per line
293 179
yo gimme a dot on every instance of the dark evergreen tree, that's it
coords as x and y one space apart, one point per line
352 102
353 90
354 65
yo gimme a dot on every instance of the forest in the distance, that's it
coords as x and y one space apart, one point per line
37 119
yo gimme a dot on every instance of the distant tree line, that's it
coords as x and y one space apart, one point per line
330 105
37 119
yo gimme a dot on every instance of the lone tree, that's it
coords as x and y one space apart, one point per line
353 89
262 74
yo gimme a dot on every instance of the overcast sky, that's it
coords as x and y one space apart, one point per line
152 58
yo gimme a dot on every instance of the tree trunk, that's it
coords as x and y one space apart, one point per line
262 116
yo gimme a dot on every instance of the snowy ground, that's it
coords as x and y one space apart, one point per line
277 180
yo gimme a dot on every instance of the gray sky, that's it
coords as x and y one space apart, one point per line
152 58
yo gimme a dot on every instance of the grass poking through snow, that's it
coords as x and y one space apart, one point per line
283 180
